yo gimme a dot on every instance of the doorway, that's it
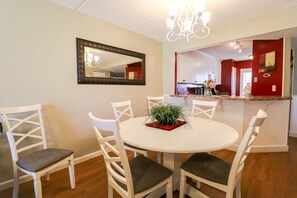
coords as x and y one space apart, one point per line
245 79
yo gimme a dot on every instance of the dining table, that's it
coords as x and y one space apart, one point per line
195 136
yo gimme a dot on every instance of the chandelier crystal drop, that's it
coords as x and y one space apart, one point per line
187 19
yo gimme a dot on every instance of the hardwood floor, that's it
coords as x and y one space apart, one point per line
272 175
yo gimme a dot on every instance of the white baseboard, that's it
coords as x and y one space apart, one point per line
269 149
292 133
25 178
264 149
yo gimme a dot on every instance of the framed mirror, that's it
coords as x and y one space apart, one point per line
98 63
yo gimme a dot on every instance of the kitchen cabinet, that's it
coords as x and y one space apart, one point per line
196 67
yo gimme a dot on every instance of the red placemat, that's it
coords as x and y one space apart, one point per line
166 127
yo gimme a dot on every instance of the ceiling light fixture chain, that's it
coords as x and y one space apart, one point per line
187 19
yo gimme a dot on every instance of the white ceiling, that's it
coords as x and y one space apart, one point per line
148 17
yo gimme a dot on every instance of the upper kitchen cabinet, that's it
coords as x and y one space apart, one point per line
196 67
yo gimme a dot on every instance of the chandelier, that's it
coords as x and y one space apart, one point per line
91 60
187 19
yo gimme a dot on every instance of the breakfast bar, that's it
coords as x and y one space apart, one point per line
237 111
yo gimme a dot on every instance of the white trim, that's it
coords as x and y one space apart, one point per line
269 148
292 133
265 149
25 178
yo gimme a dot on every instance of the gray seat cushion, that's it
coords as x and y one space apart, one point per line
41 159
208 167
146 173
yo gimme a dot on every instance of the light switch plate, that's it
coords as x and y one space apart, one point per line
273 88
255 79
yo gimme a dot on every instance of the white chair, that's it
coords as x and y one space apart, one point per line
26 135
135 178
218 173
154 101
204 108
123 111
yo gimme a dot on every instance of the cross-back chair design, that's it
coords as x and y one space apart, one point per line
154 101
123 111
27 141
204 107
218 173
135 178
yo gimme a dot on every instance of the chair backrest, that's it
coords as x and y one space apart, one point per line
24 128
204 108
112 147
154 101
245 146
122 110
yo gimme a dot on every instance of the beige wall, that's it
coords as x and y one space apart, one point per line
261 23
38 65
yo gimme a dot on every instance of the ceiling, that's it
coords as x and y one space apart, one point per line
148 17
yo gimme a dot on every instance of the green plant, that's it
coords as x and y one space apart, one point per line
167 114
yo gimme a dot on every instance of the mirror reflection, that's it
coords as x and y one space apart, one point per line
104 64
98 63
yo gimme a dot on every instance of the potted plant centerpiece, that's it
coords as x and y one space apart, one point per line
167 117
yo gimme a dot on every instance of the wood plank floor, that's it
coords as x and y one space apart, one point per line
272 175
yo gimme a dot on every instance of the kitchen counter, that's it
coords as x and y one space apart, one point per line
223 97
237 111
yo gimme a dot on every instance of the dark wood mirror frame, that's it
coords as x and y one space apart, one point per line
81 71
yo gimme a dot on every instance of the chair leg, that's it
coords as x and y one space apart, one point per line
71 172
159 157
110 191
37 187
198 184
229 194
15 182
182 184
238 189
169 188
47 176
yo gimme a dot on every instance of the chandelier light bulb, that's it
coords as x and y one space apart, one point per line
205 17
96 58
199 6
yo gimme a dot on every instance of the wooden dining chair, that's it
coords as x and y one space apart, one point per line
123 111
137 177
204 108
26 136
154 101
218 173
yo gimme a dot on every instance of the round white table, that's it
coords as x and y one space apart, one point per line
197 135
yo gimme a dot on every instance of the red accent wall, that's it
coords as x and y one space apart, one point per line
226 71
134 67
241 65
263 86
